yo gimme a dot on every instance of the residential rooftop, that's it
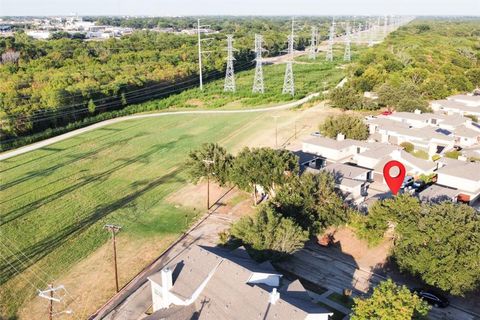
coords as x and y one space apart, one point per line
229 293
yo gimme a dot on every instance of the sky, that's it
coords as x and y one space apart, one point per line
239 7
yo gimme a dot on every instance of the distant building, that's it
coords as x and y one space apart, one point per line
38 34
459 104
432 133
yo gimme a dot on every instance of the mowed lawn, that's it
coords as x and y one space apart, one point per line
55 201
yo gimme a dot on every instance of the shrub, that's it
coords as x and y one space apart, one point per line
407 146
454 154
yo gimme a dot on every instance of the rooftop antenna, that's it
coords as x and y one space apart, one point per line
331 36
313 43
229 85
288 82
347 55
258 86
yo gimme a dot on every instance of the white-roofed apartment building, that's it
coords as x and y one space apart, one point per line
432 133
464 177
360 163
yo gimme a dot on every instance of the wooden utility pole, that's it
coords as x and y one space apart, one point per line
208 163
114 229
50 305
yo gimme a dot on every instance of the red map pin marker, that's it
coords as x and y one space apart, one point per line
394 182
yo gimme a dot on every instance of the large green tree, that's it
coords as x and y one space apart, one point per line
390 302
402 97
268 232
346 98
210 160
312 201
265 167
349 125
441 245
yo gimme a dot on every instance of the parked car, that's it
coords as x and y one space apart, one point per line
407 181
316 134
419 185
431 297
386 113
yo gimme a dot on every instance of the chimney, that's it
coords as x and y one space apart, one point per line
166 279
274 296
340 137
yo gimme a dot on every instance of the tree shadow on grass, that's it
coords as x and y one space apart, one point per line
73 158
98 139
44 247
103 176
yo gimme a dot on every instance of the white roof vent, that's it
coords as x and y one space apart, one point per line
274 296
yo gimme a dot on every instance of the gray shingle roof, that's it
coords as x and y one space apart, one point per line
463 131
436 193
333 143
345 170
468 171
227 294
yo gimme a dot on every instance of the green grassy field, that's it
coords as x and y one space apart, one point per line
309 75
55 201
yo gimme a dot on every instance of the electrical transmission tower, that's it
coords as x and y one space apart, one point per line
347 55
313 44
385 26
331 36
258 86
229 85
358 34
288 82
200 52
370 33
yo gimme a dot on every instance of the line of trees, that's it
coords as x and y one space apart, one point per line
299 206
437 242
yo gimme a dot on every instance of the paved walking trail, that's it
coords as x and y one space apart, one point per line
41 144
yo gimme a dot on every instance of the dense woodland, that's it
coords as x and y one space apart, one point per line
424 60
63 81
51 83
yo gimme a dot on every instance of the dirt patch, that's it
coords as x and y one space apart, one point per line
366 257
291 128
224 200
91 283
